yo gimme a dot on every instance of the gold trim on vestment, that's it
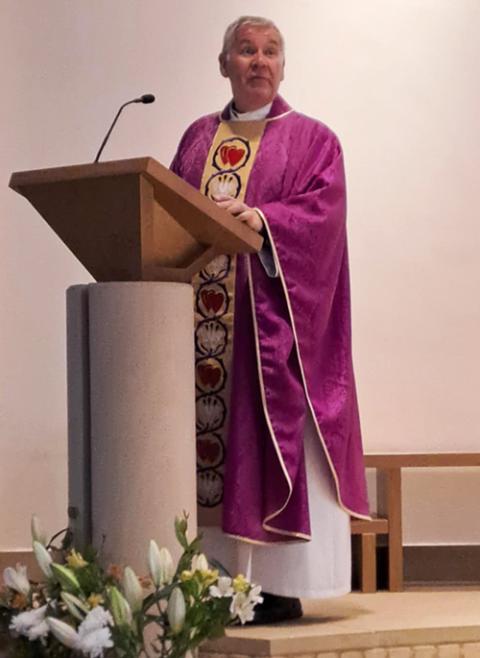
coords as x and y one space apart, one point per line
257 542
265 525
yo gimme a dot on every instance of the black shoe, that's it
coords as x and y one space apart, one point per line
276 608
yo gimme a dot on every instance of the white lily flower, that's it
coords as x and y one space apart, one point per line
97 618
39 631
64 633
222 588
243 604
93 633
176 610
199 563
44 558
160 565
38 533
93 644
30 623
16 578
255 594
241 607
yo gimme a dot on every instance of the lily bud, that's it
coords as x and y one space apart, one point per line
181 524
199 563
38 533
176 610
44 558
160 564
133 590
121 611
65 577
64 633
17 579
75 605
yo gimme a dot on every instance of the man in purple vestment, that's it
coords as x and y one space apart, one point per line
287 373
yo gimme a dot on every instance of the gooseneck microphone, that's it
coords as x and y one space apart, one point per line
146 98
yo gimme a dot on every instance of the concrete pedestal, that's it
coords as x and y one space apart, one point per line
131 416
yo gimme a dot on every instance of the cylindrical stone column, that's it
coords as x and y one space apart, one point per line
142 416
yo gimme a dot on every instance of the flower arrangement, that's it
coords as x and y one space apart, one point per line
83 610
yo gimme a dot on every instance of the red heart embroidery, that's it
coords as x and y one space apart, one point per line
224 153
231 155
212 300
208 450
209 375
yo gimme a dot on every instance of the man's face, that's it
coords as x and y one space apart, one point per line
254 66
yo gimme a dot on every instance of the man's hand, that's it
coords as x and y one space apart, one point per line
239 210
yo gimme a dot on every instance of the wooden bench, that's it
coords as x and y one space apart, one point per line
389 509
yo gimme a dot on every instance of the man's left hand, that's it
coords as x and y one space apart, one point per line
240 211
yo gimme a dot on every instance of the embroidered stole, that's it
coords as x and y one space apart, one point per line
227 170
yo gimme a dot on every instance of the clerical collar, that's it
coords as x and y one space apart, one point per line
255 115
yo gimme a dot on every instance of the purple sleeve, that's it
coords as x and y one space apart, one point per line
307 229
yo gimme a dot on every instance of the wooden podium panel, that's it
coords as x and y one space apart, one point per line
133 220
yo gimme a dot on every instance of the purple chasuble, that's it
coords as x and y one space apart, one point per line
292 336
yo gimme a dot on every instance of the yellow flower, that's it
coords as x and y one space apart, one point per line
209 577
95 599
240 583
75 560
186 575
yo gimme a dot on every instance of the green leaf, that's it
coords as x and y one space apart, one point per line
91 578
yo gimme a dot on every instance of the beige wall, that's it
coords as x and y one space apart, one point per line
399 81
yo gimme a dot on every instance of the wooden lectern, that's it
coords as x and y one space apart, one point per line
142 233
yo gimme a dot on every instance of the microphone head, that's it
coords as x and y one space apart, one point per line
147 98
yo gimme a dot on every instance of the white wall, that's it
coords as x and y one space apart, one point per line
399 81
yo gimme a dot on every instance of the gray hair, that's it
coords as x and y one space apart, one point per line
256 21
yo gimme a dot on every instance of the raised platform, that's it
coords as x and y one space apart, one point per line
421 624
440 624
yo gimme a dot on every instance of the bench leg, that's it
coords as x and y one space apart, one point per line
369 563
389 497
